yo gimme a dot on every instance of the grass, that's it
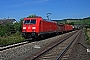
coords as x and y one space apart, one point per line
11 39
85 21
88 36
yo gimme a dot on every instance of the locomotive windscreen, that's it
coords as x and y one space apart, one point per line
30 21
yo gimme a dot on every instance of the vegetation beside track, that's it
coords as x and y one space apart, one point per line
11 39
87 33
11 33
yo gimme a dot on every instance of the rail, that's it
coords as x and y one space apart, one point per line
66 48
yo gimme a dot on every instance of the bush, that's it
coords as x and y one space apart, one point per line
17 37
2 33
87 37
10 33
88 42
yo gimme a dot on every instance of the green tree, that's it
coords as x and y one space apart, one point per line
32 16
71 23
5 29
20 24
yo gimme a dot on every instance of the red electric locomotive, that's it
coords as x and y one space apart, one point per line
34 27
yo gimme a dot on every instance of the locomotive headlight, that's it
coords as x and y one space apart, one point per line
33 27
24 27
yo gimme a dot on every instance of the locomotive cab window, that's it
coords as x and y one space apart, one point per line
33 21
30 21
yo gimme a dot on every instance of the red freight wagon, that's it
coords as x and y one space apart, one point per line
70 27
67 27
60 28
47 26
33 27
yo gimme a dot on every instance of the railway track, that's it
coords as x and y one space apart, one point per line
5 47
55 50
12 51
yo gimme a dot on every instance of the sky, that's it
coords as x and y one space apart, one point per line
59 9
